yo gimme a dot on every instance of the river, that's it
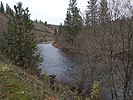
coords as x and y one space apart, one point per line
63 64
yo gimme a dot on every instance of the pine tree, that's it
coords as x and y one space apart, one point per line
68 22
104 12
21 44
35 21
92 13
8 9
46 23
76 19
55 31
55 34
73 21
60 30
2 8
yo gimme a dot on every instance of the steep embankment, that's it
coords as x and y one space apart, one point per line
66 47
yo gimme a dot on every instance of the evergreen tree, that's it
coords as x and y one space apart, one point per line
92 13
68 22
40 21
7 9
60 30
55 31
35 21
46 23
2 8
55 34
104 12
73 21
21 44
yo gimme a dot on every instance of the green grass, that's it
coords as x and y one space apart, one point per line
14 85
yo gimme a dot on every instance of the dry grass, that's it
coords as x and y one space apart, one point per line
43 33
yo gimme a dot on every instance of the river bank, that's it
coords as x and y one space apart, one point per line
66 47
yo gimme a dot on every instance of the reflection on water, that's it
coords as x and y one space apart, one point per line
56 61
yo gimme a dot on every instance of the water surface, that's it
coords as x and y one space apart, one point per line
55 61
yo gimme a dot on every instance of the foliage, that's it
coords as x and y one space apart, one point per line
45 23
73 22
95 90
2 8
91 13
104 13
35 21
13 85
55 34
55 31
61 29
21 46
8 9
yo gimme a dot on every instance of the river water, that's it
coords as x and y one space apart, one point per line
63 64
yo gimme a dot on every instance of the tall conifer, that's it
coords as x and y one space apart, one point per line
104 12
92 13
73 21
21 44
2 8
8 9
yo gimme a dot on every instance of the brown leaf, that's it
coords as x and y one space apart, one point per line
33 80
42 90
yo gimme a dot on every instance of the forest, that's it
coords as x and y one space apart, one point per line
102 38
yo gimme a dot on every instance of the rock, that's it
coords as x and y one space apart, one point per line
52 81
73 88
52 78
41 77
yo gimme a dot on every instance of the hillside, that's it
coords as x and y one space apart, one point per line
42 32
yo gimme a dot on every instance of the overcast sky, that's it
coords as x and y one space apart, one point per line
52 11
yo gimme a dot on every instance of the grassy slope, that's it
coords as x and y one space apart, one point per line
13 85
17 84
